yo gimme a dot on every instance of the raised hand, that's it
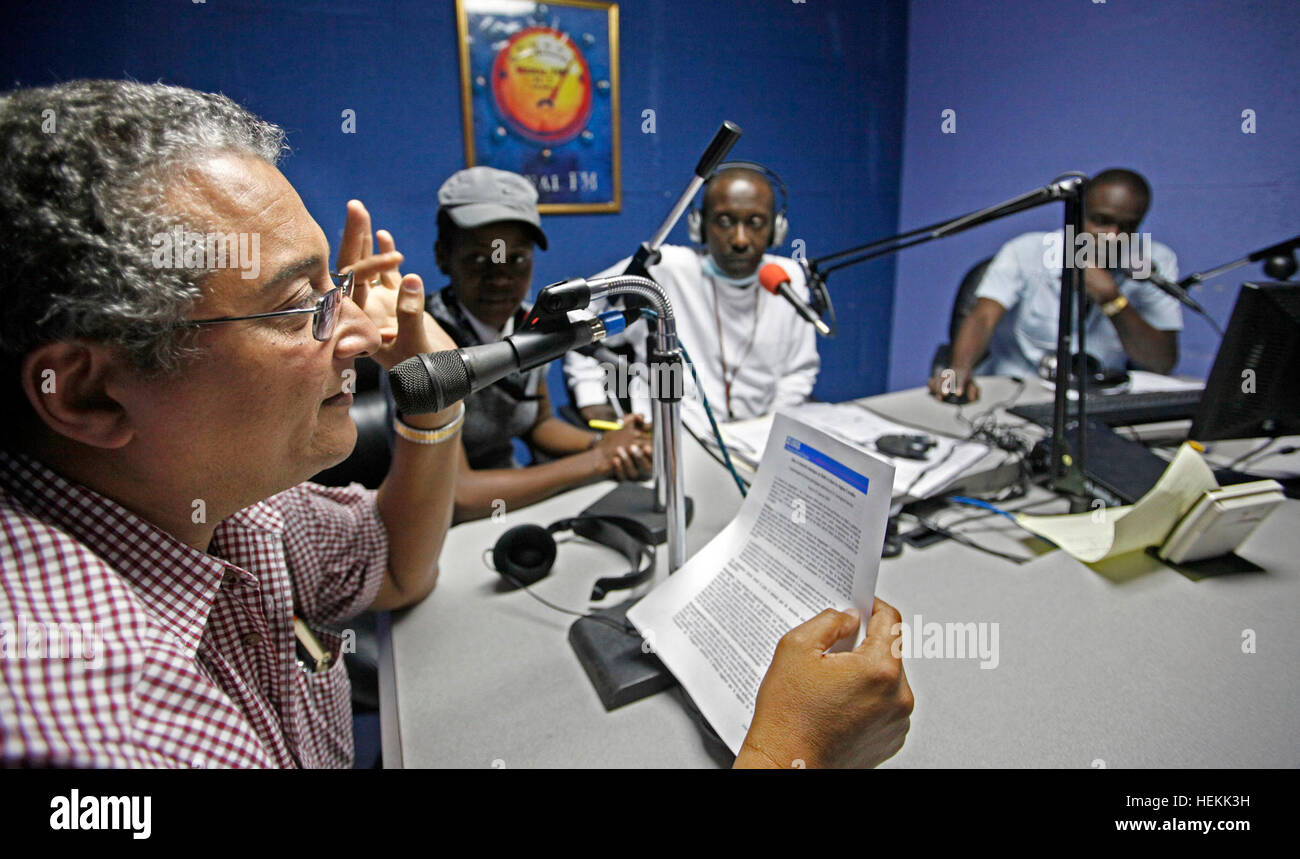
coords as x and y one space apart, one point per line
395 304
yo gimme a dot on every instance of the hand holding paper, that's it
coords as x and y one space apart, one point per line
819 709
807 537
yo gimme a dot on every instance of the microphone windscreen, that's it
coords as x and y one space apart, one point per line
429 383
772 276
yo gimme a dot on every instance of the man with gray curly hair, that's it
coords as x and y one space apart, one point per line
164 413
176 358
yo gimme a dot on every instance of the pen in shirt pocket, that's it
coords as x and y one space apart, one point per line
311 655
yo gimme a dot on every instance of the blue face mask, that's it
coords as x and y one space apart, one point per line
712 270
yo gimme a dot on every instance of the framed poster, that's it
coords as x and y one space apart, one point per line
539 93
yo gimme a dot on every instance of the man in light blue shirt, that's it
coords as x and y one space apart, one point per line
1018 301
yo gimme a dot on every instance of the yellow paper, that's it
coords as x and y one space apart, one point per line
1109 531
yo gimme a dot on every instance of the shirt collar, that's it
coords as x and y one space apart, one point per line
486 333
176 582
447 301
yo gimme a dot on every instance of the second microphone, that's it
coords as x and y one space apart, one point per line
432 381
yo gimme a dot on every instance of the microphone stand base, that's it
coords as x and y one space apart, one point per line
634 504
1069 481
616 663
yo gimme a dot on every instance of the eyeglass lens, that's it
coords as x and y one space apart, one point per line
323 327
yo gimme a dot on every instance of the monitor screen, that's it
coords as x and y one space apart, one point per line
1254 387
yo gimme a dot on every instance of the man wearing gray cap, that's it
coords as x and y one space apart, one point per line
487 228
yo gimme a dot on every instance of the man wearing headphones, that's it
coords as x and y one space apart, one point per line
752 352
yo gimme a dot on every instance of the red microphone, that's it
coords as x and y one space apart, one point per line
776 280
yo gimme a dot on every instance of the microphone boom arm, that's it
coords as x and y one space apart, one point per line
1067 470
1051 193
1263 253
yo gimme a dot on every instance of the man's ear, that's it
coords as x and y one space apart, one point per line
68 384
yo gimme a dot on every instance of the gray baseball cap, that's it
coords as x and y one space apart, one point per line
486 195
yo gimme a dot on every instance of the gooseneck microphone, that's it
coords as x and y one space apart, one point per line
776 280
1171 289
432 381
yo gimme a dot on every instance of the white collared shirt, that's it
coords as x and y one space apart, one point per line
771 350
1020 279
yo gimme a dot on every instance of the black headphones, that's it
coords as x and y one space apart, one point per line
1091 366
780 224
525 553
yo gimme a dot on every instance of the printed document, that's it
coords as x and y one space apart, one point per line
807 537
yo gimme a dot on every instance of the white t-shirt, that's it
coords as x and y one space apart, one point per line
770 352
1020 279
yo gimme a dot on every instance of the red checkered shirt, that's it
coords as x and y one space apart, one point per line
120 646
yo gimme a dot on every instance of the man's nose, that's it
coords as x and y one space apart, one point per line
740 238
358 336
502 274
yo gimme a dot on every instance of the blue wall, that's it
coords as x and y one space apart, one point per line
818 88
1045 86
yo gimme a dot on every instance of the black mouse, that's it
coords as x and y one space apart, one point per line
956 398
906 446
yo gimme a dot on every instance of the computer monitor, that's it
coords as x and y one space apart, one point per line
1254 387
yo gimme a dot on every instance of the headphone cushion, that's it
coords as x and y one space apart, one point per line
780 226
525 552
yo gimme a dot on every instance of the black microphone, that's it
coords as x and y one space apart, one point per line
1170 288
725 138
432 381
776 281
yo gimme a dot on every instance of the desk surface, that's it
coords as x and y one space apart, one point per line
1133 666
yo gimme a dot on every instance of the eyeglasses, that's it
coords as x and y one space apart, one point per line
324 314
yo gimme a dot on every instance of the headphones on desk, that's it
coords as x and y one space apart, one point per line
1098 375
780 223
525 554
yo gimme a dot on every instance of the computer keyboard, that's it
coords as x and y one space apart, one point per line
1124 409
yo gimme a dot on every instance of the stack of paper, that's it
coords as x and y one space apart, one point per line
1139 382
860 427
1107 531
